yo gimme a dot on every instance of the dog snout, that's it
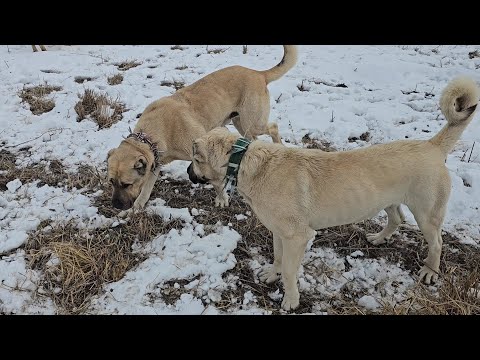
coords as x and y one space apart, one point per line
191 174
122 205
117 204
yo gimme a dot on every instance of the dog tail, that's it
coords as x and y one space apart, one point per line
289 59
458 104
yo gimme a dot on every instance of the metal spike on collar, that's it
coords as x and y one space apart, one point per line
144 138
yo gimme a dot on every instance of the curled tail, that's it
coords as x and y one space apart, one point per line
288 61
458 104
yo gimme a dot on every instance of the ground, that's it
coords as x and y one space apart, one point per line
64 250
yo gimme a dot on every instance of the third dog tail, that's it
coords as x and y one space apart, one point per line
289 59
458 104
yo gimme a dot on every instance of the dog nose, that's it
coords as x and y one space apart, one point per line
191 175
117 204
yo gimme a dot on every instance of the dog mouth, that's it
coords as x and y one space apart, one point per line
117 204
194 178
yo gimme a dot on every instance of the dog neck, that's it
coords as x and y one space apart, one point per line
238 150
144 138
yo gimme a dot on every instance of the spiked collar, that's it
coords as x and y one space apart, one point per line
238 150
144 138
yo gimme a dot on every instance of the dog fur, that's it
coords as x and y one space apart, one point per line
295 191
235 94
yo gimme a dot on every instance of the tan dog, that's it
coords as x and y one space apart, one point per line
297 191
41 47
172 123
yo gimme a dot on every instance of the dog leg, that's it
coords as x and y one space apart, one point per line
293 252
222 198
273 132
43 48
395 216
272 273
146 189
429 272
430 223
34 48
238 125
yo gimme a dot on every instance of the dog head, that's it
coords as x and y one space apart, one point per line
210 156
128 168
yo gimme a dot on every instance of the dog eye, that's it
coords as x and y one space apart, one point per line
126 185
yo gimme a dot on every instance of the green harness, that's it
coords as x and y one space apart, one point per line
238 150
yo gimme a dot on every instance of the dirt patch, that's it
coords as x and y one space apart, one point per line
127 65
102 109
474 54
216 51
36 97
82 79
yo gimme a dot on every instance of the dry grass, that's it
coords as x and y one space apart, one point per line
51 71
366 136
177 85
77 264
102 109
36 97
115 79
127 65
177 47
216 51
48 172
312 143
183 67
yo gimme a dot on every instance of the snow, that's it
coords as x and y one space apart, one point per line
23 207
392 93
176 255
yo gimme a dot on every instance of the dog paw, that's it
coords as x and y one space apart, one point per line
376 239
139 203
221 200
269 275
124 213
290 302
428 275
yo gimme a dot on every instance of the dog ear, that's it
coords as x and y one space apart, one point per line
141 165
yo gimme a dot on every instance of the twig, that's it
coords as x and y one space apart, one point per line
471 152
6 63
39 136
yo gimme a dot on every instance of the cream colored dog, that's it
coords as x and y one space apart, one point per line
171 124
295 191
